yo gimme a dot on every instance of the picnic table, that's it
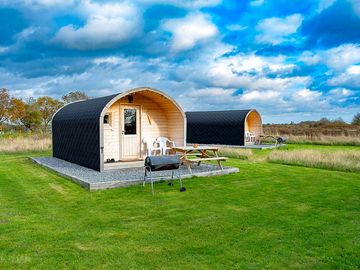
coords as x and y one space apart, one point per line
190 154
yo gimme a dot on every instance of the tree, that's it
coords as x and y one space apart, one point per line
356 119
47 107
31 120
74 96
4 104
16 110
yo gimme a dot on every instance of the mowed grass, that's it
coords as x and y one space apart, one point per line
266 216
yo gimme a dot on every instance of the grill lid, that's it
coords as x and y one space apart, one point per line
160 163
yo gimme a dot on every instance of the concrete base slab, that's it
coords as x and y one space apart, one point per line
94 180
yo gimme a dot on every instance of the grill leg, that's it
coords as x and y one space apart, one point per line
152 183
144 178
179 178
172 174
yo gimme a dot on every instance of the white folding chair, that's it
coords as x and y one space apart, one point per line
150 146
165 144
252 137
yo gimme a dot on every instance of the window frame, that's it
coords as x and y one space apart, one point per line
109 123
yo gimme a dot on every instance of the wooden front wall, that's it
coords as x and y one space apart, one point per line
253 123
159 117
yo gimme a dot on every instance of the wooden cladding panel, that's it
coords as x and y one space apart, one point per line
253 123
159 117
111 135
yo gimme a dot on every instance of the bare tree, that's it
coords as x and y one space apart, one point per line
74 96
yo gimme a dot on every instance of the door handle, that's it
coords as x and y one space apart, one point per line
123 132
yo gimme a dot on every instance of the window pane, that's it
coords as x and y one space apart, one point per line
106 119
129 121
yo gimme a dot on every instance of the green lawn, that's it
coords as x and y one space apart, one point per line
267 216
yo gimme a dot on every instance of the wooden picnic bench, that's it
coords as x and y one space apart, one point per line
200 153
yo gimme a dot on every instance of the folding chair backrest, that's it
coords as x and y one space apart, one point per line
149 142
163 143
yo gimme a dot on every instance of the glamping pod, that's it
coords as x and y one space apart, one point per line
235 127
112 128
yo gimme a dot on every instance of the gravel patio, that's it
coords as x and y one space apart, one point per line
93 180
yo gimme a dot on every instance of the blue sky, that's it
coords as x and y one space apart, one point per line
292 60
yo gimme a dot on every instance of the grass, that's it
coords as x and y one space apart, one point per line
235 153
267 216
324 140
24 144
334 160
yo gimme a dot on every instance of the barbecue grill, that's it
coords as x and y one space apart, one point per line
281 139
162 163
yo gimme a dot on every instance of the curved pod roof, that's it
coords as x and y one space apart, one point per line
217 127
77 128
96 107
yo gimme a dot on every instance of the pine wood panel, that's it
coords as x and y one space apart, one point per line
253 123
159 117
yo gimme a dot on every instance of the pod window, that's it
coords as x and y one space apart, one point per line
107 119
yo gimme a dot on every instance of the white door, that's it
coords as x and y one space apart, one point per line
129 132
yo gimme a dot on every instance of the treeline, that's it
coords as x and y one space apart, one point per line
31 114
324 126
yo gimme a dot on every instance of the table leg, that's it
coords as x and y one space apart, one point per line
218 161
188 165
185 161
203 154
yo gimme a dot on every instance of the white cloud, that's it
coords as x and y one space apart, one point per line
256 3
108 25
341 92
341 95
353 70
256 96
49 3
3 49
350 77
356 6
324 4
236 27
189 31
310 58
210 92
192 4
306 95
108 60
342 56
342 62
277 30
120 82
238 70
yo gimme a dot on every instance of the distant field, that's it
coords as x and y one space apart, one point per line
348 160
267 216
12 144
317 132
325 140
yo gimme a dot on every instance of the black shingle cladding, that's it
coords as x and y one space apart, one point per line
216 127
76 132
